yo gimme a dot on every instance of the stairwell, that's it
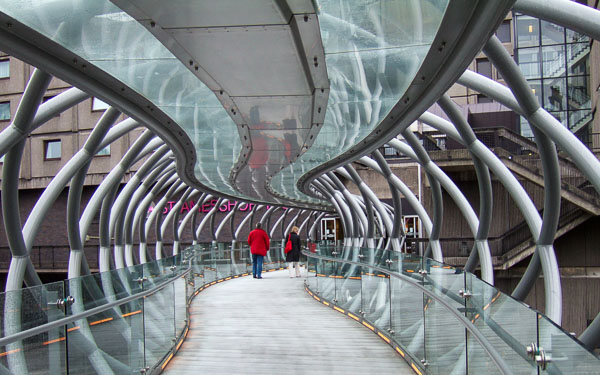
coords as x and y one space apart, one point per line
580 201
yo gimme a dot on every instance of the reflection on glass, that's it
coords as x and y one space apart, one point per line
552 34
370 62
553 60
527 31
575 37
555 98
579 97
529 62
536 89
567 355
503 32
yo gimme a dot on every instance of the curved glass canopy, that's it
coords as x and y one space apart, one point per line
372 53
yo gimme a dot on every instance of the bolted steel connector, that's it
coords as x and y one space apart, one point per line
532 350
67 301
424 363
142 279
144 370
173 268
389 261
538 355
543 359
466 294
423 272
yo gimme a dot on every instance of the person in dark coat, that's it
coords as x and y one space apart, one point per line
259 243
293 256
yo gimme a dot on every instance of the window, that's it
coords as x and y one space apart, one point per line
527 31
484 67
4 68
98 105
389 151
52 149
104 152
4 111
503 32
483 99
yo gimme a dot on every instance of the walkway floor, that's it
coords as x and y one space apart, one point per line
271 326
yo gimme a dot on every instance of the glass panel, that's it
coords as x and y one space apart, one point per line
493 313
578 60
536 89
116 332
525 128
222 259
528 33
99 105
561 117
325 271
29 308
347 38
179 289
579 93
239 261
484 67
407 317
311 274
577 119
555 98
4 68
104 151
4 111
553 58
567 355
53 150
552 33
159 324
349 287
478 360
575 37
444 336
444 339
375 298
503 32
530 62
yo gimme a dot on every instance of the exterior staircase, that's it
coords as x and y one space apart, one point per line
580 201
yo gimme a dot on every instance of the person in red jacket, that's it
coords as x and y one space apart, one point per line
259 243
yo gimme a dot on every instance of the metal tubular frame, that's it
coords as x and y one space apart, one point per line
536 117
122 212
487 271
481 251
436 196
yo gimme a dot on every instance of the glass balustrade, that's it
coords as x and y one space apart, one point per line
134 333
440 318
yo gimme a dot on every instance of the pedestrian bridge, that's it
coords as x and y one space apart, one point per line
354 309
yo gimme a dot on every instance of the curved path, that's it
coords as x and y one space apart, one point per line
268 326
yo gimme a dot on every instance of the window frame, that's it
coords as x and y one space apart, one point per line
103 155
7 60
47 142
9 111
102 109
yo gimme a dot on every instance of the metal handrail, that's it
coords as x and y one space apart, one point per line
485 344
96 310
